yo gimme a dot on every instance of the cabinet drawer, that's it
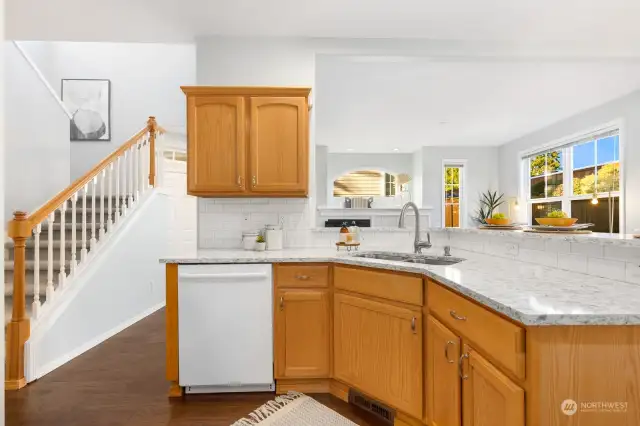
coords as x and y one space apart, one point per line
497 337
302 275
392 286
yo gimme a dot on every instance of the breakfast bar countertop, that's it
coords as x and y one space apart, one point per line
530 294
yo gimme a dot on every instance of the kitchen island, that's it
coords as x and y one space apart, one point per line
487 341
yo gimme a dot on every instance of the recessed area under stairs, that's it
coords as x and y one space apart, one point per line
44 250
122 382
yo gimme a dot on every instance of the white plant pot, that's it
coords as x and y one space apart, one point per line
260 246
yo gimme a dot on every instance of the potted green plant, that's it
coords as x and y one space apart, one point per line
489 202
261 244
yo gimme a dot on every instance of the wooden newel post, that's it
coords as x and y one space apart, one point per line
153 127
19 328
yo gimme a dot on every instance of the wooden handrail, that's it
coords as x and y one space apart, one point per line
20 229
44 211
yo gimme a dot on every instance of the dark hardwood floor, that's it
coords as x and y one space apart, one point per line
121 382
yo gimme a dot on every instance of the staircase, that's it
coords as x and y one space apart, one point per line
43 253
52 247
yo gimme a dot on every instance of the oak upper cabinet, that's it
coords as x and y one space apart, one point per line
302 338
378 349
247 141
216 161
488 396
443 390
278 145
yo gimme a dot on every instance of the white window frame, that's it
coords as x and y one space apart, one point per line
462 164
567 167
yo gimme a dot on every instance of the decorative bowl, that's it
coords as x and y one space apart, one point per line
556 221
504 222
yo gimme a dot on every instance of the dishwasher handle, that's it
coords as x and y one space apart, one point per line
224 276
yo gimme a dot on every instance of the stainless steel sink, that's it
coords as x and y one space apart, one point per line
410 258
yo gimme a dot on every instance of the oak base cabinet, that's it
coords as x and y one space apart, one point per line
378 350
302 338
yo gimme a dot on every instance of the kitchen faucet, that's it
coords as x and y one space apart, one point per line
417 244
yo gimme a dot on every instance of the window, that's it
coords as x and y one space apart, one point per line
569 177
365 183
452 193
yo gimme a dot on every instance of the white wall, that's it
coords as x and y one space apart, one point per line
322 155
2 172
481 174
627 109
339 164
145 80
37 134
93 308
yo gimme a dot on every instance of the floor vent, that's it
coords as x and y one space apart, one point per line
378 409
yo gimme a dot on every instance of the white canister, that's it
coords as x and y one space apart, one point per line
249 239
273 235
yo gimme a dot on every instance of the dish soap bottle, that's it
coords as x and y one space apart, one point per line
345 235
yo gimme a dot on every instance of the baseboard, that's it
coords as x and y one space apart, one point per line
38 373
303 385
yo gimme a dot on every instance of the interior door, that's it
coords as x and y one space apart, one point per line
443 389
302 333
378 349
489 397
279 145
216 145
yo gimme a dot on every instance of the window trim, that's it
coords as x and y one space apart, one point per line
561 143
463 192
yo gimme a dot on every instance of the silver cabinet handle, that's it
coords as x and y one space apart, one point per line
240 181
460 361
303 277
281 302
456 316
413 325
446 351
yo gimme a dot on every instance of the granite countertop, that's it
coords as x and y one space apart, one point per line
530 294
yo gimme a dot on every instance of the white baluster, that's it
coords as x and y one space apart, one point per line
144 175
50 290
131 177
118 206
110 195
102 200
136 170
74 260
63 248
94 240
35 307
83 250
125 182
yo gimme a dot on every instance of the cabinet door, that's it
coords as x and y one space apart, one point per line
302 333
378 349
216 145
279 145
489 397
443 381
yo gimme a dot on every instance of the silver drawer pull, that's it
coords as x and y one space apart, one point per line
460 361
456 316
446 351
413 325
303 277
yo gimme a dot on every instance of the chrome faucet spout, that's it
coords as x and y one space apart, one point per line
417 244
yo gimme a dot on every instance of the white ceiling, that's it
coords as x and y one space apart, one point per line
369 104
613 22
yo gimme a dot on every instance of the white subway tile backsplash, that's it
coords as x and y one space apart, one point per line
539 257
572 262
230 200
587 249
606 268
557 245
627 254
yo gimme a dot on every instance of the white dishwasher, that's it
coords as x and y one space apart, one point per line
225 328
